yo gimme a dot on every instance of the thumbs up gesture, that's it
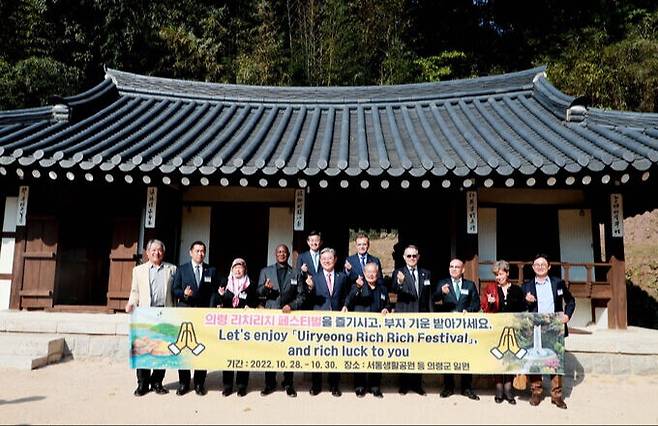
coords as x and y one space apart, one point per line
445 288
359 282
348 265
400 277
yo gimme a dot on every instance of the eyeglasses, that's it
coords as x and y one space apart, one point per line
408 256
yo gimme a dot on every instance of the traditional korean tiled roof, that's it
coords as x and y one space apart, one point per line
514 124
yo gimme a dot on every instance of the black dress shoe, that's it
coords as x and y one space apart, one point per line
511 400
182 390
159 389
242 391
227 391
498 399
420 391
403 391
446 393
266 391
470 394
377 393
336 392
141 391
314 391
290 391
200 390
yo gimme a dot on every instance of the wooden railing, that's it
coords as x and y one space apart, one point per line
589 288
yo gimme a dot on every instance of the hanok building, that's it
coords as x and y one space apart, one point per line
486 168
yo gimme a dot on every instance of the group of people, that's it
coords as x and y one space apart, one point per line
316 283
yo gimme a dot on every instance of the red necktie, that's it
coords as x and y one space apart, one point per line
330 285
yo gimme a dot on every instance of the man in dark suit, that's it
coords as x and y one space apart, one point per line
457 295
413 287
194 285
309 261
281 287
327 290
546 294
354 264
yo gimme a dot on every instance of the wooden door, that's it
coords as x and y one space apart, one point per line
123 258
38 252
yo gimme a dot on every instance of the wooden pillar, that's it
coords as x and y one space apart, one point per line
17 269
617 306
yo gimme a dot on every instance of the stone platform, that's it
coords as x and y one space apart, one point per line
597 351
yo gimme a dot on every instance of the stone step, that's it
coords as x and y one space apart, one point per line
22 362
30 350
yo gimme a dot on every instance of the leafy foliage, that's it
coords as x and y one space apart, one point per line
605 49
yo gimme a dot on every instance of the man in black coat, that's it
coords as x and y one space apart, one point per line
457 294
413 288
546 294
195 283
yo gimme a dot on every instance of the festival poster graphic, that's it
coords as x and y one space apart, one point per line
268 340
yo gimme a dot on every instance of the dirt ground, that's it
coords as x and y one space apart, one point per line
76 392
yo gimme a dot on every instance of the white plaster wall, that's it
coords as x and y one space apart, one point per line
7 250
195 226
576 246
576 240
486 240
5 289
7 255
9 222
280 231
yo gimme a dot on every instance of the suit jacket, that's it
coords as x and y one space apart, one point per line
468 300
202 293
562 298
292 291
357 268
249 297
366 299
408 298
319 298
306 257
140 289
515 301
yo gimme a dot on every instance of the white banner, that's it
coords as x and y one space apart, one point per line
151 204
21 207
471 212
298 223
617 215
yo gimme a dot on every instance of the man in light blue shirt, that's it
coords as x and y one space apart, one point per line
548 295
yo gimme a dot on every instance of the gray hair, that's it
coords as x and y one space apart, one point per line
328 250
154 241
372 265
500 265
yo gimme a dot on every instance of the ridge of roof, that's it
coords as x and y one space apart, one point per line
130 83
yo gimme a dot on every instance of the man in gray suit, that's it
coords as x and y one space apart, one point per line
281 287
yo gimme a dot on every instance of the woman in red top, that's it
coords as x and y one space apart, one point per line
503 296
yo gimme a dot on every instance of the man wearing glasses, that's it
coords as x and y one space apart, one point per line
413 287
545 295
